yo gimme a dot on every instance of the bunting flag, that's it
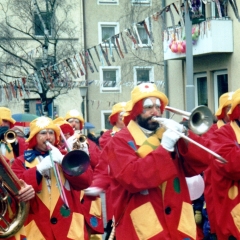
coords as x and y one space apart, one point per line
66 72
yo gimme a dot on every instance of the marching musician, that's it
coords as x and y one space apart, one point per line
102 180
51 215
116 120
148 165
92 205
225 178
209 231
17 147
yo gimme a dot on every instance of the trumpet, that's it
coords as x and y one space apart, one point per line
10 136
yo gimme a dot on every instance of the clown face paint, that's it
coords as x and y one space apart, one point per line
151 103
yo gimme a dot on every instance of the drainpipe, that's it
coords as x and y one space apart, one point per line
84 46
165 66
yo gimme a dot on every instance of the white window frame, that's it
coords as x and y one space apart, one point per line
108 2
196 76
144 45
215 86
142 2
103 112
151 72
107 24
118 79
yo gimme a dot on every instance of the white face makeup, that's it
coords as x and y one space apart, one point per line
148 104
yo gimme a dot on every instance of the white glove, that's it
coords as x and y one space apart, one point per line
93 191
172 124
55 153
44 165
84 147
71 140
169 139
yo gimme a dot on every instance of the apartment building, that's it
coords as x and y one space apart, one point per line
212 68
132 40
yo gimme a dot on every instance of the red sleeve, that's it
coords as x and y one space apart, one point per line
103 140
134 173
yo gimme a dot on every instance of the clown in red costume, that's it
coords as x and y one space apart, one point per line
148 165
91 205
51 216
225 177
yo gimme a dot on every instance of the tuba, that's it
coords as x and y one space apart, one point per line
9 187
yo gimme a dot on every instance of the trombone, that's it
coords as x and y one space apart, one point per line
199 122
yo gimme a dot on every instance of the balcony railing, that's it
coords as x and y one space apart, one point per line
208 37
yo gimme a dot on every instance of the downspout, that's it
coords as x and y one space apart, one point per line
84 47
165 65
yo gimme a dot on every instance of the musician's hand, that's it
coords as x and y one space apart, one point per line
26 192
44 165
172 124
84 147
55 153
93 191
71 140
169 139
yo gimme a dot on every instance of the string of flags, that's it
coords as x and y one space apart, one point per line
67 72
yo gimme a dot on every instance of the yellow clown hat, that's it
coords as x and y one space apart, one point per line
118 108
224 100
60 121
235 101
145 90
6 114
74 114
41 123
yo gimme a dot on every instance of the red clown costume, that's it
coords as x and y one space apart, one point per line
91 205
225 101
48 217
151 195
226 177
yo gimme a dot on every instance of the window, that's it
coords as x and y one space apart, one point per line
220 79
142 2
143 74
143 35
200 81
107 30
110 78
107 1
104 119
38 26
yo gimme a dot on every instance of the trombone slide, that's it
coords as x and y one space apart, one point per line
182 135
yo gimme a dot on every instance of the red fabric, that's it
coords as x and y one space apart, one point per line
22 145
224 177
208 192
235 113
41 214
103 140
113 119
136 182
94 153
66 128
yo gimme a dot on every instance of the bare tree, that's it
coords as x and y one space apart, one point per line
35 36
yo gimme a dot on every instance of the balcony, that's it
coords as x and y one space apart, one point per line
214 36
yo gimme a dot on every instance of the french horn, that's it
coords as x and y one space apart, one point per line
9 187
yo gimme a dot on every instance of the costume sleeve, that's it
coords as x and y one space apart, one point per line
28 175
194 159
225 144
101 177
134 173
